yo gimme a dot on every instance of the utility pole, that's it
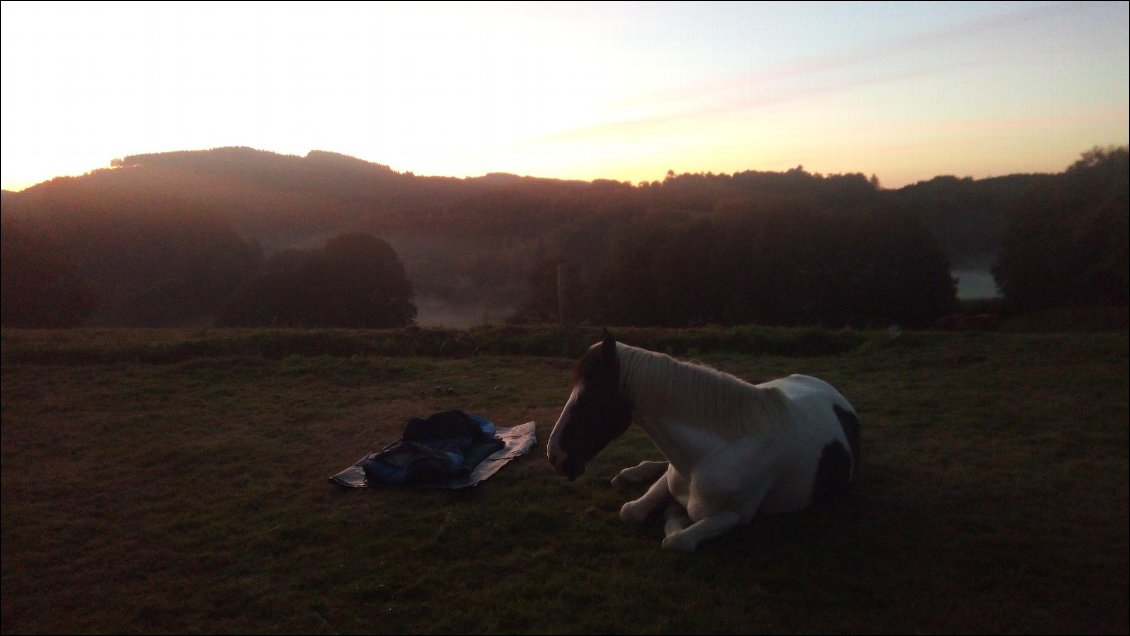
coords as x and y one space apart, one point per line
566 275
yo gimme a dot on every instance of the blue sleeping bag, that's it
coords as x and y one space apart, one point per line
434 449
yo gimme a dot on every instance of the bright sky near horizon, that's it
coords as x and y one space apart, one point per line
626 91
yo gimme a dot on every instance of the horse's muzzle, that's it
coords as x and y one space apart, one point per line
564 464
572 469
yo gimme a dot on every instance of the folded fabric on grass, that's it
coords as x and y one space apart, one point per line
446 450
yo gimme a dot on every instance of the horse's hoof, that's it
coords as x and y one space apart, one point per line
631 514
679 542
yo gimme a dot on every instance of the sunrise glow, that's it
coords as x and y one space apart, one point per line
579 91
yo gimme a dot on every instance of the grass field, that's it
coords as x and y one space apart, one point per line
176 481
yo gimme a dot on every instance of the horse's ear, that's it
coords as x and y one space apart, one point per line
608 347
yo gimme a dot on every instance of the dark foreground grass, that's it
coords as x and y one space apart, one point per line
189 494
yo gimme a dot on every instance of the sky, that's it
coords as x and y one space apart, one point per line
624 91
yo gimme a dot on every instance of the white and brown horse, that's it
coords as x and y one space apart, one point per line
733 449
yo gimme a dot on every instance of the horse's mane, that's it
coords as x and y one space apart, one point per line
697 394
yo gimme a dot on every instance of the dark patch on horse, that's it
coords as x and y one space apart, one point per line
833 474
850 424
588 366
599 414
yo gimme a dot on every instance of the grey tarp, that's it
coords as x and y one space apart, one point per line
518 439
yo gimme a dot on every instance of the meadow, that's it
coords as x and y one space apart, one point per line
159 481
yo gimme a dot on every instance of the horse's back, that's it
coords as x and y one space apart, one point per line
810 400
799 388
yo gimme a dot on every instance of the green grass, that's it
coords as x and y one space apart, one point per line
175 481
101 346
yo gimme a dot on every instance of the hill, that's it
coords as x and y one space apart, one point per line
473 248
275 202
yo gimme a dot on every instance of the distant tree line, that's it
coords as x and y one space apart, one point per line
1067 245
40 284
355 281
969 217
121 259
118 256
226 236
818 250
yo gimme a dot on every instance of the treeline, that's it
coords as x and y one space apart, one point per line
239 236
969 217
119 259
769 248
355 281
1067 244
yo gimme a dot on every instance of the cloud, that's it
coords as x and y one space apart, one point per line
967 45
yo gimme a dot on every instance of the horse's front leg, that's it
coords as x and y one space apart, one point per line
686 538
638 510
639 474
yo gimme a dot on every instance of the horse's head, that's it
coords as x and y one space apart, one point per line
595 414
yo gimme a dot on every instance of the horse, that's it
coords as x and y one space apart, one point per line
733 449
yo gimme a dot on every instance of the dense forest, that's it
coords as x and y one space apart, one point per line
241 236
356 280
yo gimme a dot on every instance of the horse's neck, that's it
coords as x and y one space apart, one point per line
689 411
683 445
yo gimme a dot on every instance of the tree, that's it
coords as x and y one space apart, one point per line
783 260
1067 242
355 281
41 285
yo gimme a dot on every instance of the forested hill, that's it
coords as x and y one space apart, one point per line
188 227
286 200
464 242
280 200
